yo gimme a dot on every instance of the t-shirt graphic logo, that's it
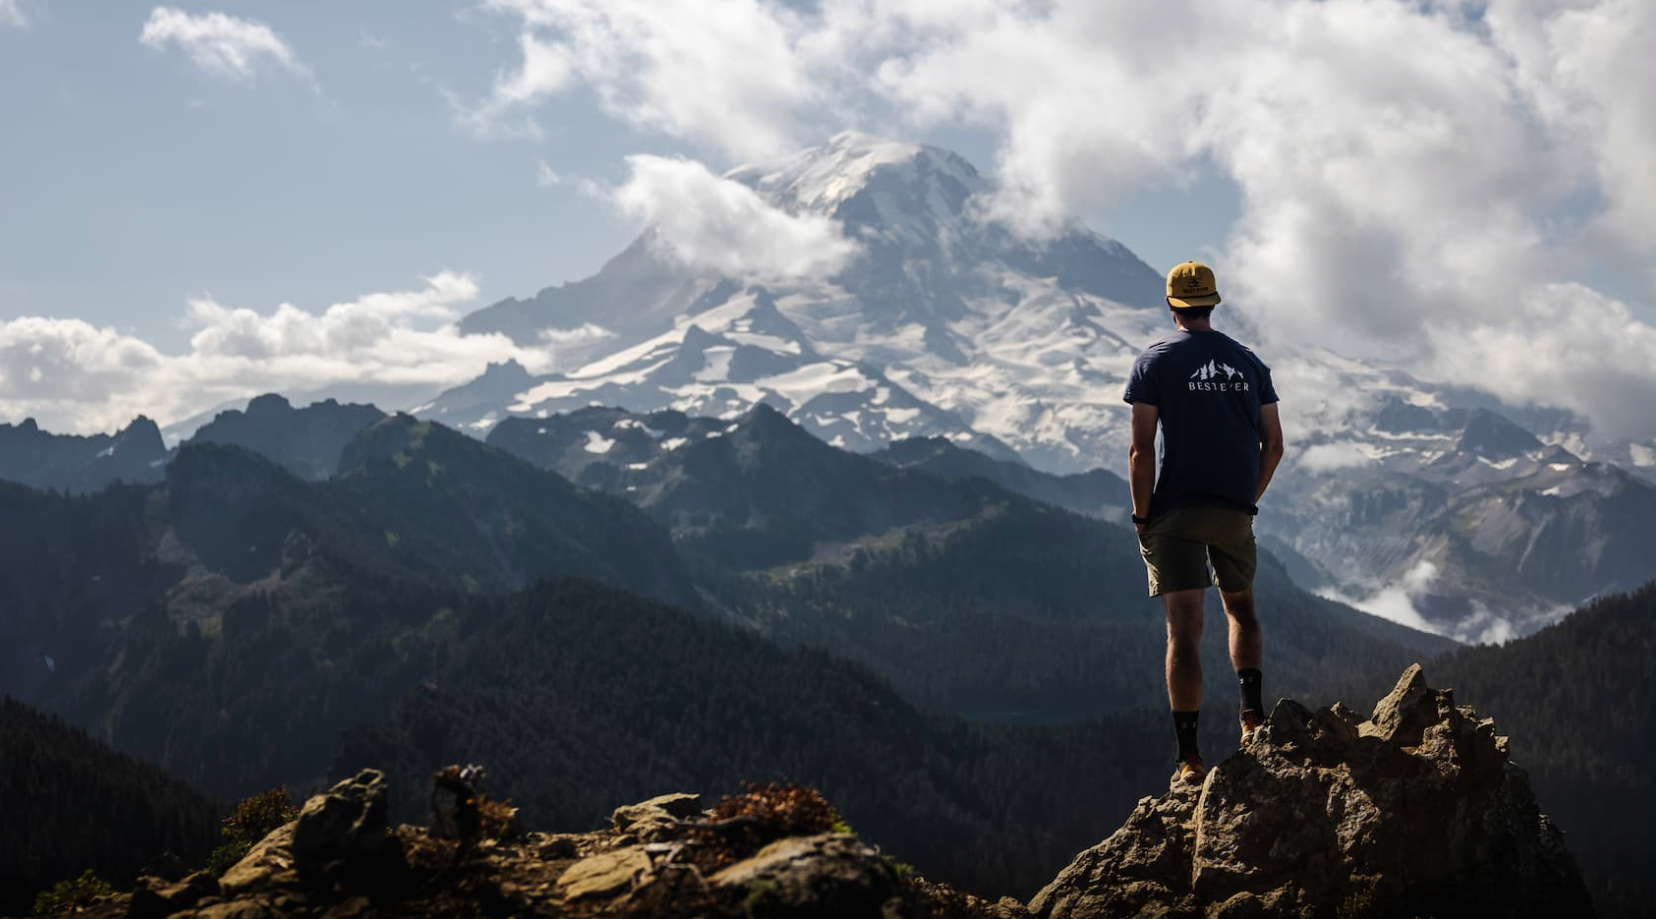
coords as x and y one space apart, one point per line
1212 371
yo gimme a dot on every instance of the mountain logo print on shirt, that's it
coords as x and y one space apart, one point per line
1216 377
1212 369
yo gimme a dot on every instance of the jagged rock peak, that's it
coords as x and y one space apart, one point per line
1415 811
269 404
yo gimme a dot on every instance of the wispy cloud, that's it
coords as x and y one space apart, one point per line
710 222
223 46
12 14
71 375
546 176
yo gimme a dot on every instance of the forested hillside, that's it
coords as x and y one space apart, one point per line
1579 700
579 698
72 804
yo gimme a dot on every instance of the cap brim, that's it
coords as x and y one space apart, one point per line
1178 303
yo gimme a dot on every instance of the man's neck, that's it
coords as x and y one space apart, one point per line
1194 325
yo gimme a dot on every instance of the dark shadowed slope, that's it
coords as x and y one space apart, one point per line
72 804
1098 493
304 441
66 462
1579 700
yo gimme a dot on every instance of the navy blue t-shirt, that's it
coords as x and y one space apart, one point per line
1207 390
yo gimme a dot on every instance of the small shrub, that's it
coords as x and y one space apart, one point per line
226 856
761 896
72 894
740 824
253 819
904 870
782 810
498 818
1359 904
256 817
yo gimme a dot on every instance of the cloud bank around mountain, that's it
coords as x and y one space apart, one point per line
72 376
713 223
1429 182
225 47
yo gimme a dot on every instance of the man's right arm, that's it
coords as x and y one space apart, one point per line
1141 459
1270 446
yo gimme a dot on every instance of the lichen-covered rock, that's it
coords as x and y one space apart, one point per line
1413 811
269 865
606 874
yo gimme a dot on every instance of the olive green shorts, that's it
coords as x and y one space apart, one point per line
1178 545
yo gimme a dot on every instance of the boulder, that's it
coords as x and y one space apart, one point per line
608 874
829 876
657 819
1414 811
268 866
155 897
346 823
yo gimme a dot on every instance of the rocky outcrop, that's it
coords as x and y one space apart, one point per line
1415 811
665 857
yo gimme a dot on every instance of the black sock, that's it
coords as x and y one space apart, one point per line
1249 678
1184 726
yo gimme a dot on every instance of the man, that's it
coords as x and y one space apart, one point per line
1221 442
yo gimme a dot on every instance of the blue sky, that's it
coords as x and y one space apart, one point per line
1458 186
133 179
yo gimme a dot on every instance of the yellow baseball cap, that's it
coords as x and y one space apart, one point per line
1192 284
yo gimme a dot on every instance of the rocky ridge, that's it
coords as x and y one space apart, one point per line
1415 811
662 857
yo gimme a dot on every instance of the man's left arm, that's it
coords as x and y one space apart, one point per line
1141 461
1270 446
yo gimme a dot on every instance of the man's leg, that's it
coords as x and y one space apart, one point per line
1184 665
1246 644
1246 653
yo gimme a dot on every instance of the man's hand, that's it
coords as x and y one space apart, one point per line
1270 446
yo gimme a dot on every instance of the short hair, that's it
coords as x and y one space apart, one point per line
1197 313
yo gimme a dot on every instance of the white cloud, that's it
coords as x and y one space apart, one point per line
710 222
73 376
1559 344
1397 601
585 334
12 14
225 47
1331 457
729 73
546 176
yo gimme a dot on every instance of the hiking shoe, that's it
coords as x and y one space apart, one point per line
1250 723
1190 771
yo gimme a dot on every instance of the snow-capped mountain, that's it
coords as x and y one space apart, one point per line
1428 503
944 326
